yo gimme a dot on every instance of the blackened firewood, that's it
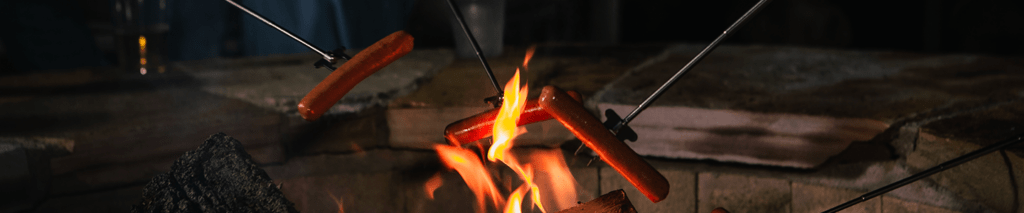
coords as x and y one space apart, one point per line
219 176
613 202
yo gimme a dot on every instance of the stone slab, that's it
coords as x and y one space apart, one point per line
589 181
278 83
809 198
778 139
111 200
982 125
739 193
681 196
353 192
886 87
348 133
893 205
984 182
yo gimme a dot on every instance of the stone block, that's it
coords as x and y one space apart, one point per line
347 133
26 175
452 196
872 89
279 83
739 193
588 180
110 200
983 181
894 205
680 196
351 192
815 198
780 139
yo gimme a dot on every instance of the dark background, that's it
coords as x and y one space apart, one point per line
67 34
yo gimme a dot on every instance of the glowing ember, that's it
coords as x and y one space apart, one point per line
546 177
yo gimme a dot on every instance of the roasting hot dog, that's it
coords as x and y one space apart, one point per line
362 65
617 154
479 126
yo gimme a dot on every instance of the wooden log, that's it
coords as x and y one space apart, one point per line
613 202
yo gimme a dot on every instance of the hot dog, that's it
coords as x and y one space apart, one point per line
479 126
362 65
613 151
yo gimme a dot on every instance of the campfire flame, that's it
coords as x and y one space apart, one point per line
553 176
432 184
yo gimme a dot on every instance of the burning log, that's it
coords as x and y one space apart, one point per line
219 176
613 202
614 152
479 126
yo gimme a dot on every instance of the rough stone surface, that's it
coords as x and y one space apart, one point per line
113 200
779 139
893 205
876 85
26 175
814 198
352 192
680 196
279 83
985 180
983 125
893 88
588 179
739 193
348 133
218 176
16 179
366 161
452 196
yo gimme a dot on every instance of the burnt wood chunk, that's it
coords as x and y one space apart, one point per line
219 176
613 202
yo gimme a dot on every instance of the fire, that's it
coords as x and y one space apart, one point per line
469 166
432 184
505 124
546 178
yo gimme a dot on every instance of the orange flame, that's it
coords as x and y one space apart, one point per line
472 170
505 124
432 184
555 178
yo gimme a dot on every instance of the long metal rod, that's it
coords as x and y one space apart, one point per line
714 44
476 47
941 167
326 56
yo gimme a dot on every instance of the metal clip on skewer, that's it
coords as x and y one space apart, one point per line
329 57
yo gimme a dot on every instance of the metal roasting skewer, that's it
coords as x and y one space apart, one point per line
617 125
939 168
479 52
696 59
328 56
